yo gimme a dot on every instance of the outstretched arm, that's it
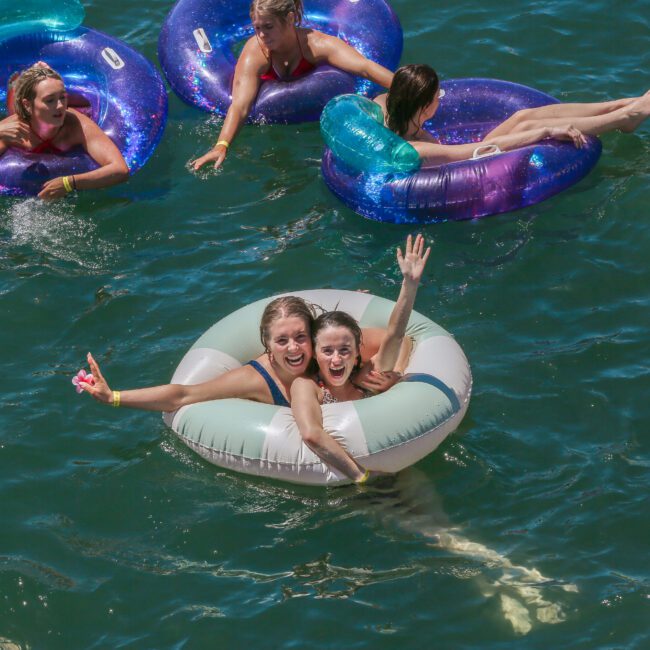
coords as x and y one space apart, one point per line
245 86
412 265
332 50
306 410
241 382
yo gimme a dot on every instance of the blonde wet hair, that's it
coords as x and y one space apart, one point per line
25 87
278 8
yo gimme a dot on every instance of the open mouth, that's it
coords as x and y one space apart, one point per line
337 373
296 361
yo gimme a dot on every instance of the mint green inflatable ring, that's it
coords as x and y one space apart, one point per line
27 16
387 432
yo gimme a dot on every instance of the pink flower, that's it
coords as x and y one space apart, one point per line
82 378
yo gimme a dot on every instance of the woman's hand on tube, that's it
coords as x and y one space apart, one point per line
376 381
14 133
53 189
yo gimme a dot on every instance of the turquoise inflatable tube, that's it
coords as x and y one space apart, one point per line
27 16
353 129
387 432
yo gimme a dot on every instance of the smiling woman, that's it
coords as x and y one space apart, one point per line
281 49
337 341
43 123
285 333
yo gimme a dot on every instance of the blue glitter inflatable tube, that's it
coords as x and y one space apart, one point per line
199 40
467 189
125 95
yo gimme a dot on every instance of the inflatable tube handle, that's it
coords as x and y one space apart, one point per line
489 150
202 40
112 58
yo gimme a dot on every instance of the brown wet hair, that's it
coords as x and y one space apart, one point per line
414 87
284 307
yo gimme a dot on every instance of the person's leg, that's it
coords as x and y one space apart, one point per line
626 119
559 111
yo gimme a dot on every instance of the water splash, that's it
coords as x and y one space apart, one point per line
54 230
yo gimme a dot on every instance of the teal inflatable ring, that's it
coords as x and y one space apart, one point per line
386 432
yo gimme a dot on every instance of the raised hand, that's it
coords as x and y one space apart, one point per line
414 260
216 155
99 390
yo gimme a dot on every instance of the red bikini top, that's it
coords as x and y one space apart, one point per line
46 146
302 68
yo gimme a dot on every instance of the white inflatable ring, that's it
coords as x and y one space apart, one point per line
387 432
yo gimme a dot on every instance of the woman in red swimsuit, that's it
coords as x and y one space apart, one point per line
43 123
281 49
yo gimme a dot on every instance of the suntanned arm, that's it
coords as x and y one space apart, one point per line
245 86
307 412
242 382
412 265
335 52
112 166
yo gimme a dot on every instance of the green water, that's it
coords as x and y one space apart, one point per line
528 528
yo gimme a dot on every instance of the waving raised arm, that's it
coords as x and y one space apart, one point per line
412 264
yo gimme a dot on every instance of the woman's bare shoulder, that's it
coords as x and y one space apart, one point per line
381 100
252 55
316 43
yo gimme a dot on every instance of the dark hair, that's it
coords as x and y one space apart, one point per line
284 307
414 87
278 8
339 319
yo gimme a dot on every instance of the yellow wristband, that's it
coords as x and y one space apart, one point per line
225 143
116 398
66 184
364 478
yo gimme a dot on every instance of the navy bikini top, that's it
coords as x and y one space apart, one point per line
278 398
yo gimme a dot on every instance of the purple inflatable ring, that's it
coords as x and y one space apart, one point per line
200 38
469 189
125 93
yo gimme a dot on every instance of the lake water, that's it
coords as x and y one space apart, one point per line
527 528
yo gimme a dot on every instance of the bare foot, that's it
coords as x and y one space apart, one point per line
638 112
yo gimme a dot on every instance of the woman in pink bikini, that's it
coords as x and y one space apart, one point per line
42 122
281 49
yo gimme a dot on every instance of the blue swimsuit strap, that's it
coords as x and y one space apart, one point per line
278 398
